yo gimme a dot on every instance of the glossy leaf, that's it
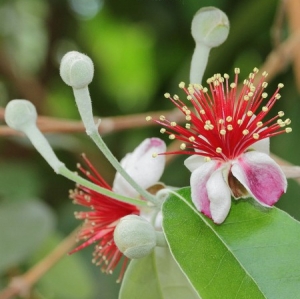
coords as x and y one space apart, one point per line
23 227
255 253
156 276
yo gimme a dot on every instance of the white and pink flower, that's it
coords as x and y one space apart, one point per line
228 138
105 212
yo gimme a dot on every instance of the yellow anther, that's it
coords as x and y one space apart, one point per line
205 90
287 121
202 111
255 70
192 139
280 113
229 127
188 126
189 97
288 130
172 136
148 118
154 155
181 85
239 121
265 109
167 95
207 159
265 74
255 136
249 113
162 118
233 85
176 97
236 70
187 112
250 94
264 95
280 85
162 130
246 98
245 132
182 146
221 121
188 117
226 76
278 96
218 150
173 124
264 85
229 118
223 132
206 127
259 124
208 122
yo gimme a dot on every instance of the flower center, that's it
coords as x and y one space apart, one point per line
224 122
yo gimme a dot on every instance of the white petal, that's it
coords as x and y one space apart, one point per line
262 146
193 162
219 195
261 176
199 178
141 166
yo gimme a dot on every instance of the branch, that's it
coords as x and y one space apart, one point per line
21 285
108 124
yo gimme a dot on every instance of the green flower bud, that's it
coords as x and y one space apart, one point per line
19 114
76 70
210 26
135 237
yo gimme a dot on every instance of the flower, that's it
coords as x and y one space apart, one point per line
105 213
228 138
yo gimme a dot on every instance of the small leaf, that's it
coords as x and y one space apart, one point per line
24 226
253 254
156 276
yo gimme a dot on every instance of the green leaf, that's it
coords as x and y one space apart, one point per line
24 226
156 276
68 278
255 253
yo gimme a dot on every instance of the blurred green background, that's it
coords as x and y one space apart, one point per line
141 49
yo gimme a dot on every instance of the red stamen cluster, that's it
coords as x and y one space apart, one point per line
224 123
100 222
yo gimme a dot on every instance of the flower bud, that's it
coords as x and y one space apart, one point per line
210 26
19 114
135 237
76 70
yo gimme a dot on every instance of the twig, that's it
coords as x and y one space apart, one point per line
107 125
293 10
21 285
277 27
280 57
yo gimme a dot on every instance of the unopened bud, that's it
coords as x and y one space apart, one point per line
76 70
210 28
21 115
135 237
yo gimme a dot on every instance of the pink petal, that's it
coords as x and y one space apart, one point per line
261 176
141 166
219 194
199 178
